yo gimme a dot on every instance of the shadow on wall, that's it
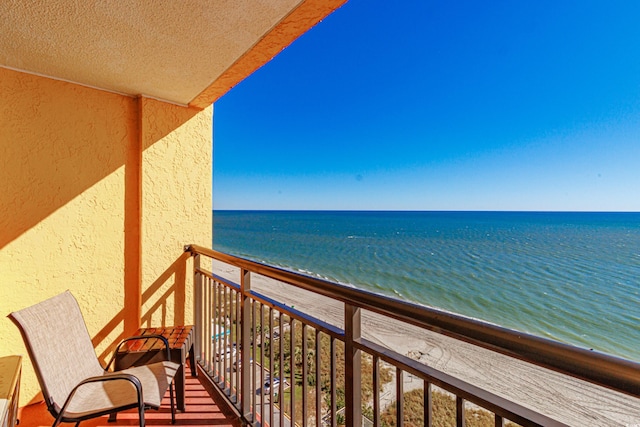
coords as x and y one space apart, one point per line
65 145
59 139
55 144
178 273
172 284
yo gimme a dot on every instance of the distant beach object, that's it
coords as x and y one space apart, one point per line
218 332
230 351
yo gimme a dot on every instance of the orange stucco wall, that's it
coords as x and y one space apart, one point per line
176 202
98 194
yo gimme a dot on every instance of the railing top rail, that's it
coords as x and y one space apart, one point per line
595 367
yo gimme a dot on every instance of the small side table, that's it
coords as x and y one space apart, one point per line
144 351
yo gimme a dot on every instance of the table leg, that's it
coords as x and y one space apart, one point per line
192 362
179 382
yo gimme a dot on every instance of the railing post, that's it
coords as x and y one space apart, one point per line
245 343
353 366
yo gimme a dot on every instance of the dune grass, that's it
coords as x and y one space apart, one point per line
443 412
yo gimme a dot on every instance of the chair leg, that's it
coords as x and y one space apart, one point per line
173 404
57 420
141 413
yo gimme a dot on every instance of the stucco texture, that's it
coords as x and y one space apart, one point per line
176 202
81 173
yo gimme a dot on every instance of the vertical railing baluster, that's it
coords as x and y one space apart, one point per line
305 375
376 391
255 361
225 346
213 339
334 400
206 327
209 342
247 325
252 362
460 420
428 408
271 368
233 346
353 366
198 306
205 355
222 328
238 346
229 350
280 370
222 321
292 364
233 359
499 421
223 341
399 397
219 329
318 380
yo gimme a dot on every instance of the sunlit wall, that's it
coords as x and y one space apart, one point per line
99 193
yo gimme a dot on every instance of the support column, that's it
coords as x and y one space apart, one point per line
133 224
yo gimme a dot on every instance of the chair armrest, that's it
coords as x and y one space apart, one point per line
110 377
139 337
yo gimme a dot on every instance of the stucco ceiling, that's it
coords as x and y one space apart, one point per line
166 49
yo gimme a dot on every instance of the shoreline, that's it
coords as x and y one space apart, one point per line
566 399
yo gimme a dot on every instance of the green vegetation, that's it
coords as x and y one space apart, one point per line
297 357
443 404
443 412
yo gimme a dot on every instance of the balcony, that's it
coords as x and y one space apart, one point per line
336 364
345 374
107 171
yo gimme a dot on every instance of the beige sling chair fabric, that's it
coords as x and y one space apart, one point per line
63 357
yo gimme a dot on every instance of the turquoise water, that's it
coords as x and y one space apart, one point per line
572 277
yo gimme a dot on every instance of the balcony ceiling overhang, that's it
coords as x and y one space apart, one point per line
186 52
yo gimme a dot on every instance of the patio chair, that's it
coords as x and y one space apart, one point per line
74 384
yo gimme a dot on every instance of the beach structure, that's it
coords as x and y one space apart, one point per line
106 161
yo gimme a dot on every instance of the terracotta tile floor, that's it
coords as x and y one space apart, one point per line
202 410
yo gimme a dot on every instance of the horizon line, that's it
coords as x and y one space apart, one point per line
427 210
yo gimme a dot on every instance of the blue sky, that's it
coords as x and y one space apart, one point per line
441 105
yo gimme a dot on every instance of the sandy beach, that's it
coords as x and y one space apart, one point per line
560 397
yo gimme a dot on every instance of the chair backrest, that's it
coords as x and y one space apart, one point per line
59 346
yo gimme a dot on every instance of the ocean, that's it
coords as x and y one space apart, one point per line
571 277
